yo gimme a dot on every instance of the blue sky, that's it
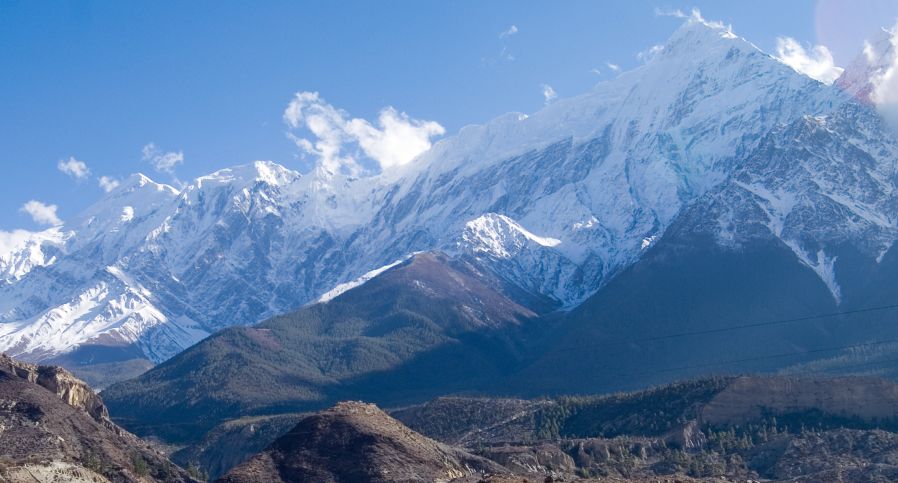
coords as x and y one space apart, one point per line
99 81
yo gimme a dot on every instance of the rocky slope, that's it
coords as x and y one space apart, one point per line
54 428
357 442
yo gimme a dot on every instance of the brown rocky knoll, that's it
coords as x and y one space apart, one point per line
54 428
357 442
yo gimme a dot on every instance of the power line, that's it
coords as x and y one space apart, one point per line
730 328
773 356
776 356
764 357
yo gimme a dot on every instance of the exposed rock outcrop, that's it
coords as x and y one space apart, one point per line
53 428
70 389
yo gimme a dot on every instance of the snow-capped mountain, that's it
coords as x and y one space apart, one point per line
606 172
821 185
24 250
158 269
556 203
78 294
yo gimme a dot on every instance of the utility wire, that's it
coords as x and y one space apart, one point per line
775 356
731 328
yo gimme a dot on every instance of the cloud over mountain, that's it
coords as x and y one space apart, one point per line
42 213
342 142
816 62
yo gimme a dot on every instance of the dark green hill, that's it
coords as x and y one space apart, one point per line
423 328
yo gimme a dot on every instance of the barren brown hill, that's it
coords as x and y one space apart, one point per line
357 442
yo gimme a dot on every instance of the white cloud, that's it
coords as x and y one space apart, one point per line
341 142
882 65
695 16
508 32
650 53
660 12
163 162
869 52
398 140
506 55
74 168
816 63
13 240
595 71
107 183
41 213
613 67
873 77
885 90
549 93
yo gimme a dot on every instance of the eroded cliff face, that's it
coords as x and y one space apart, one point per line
70 389
54 428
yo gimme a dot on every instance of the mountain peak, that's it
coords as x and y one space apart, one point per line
135 197
696 25
137 181
699 38
267 172
500 236
138 190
